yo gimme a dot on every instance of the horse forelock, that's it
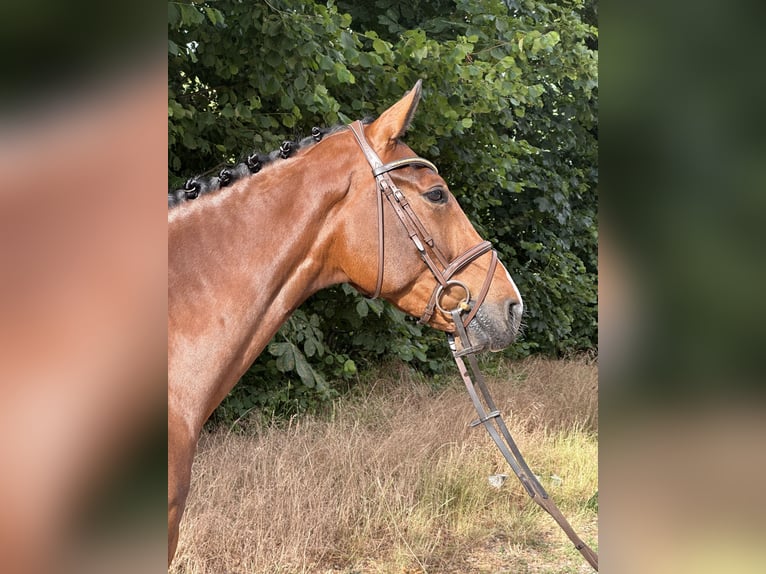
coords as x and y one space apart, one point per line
203 185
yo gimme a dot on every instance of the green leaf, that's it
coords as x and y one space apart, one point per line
343 75
325 63
362 308
278 349
379 46
286 362
215 16
303 369
376 305
420 53
190 15
364 60
173 15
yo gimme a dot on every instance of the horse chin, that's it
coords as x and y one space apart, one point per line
491 331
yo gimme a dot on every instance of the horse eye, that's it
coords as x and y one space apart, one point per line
436 195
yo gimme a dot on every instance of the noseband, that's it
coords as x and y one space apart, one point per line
423 241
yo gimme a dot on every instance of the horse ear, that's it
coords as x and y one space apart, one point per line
394 122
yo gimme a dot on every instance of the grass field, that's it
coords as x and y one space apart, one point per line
392 480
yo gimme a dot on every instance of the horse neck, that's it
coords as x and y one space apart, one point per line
239 262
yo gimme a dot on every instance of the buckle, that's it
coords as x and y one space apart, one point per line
481 421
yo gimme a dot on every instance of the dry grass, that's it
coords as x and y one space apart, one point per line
393 481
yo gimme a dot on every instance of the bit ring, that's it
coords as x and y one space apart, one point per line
463 305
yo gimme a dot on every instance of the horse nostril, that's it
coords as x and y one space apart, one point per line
513 310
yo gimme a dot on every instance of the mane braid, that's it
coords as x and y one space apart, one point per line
251 165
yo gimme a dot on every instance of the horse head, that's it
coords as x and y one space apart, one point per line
433 260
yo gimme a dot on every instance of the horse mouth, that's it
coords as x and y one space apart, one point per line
494 327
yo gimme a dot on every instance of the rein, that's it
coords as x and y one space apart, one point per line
490 418
489 415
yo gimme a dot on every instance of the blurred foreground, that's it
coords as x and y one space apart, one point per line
682 317
82 304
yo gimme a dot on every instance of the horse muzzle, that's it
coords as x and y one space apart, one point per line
496 325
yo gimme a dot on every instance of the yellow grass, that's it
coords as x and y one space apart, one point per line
393 481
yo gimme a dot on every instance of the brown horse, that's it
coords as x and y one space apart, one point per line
242 257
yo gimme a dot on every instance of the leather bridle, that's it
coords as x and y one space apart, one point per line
489 415
445 270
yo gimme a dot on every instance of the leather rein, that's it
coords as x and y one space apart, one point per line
489 415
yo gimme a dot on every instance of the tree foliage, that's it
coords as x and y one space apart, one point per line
509 114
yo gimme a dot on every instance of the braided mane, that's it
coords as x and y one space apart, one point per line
252 164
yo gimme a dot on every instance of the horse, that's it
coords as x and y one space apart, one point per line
352 205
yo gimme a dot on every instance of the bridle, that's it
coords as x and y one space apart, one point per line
489 415
445 270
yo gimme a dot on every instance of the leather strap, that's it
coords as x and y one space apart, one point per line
396 164
374 161
357 128
484 288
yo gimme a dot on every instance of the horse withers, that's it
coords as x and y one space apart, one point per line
350 205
